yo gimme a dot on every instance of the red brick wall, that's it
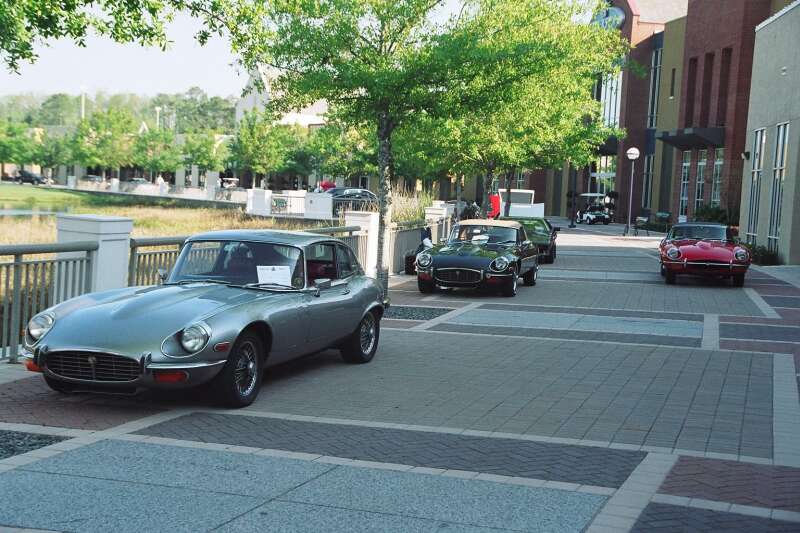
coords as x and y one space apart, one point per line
712 26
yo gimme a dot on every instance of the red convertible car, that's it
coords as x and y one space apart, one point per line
703 249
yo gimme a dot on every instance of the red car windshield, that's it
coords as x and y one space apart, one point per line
704 233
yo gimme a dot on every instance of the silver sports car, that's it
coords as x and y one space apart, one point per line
235 303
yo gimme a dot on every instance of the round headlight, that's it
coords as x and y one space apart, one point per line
673 253
741 255
424 260
500 264
194 338
39 325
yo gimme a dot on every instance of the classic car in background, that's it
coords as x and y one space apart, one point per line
235 303
541 233
703 249
481 253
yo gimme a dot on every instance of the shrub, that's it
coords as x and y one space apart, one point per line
707 213
762 255
409 205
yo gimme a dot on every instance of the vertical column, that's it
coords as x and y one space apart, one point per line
368 222
195 178
109 269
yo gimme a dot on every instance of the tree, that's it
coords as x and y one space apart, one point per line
156 151
16 146
53 151
205 150
381 62
105 140
262 145
28 23
342 151
57 110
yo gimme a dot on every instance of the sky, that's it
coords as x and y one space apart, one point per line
104 65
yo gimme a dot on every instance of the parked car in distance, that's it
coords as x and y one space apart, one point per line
34 178
703 249
93 178
593 214
139 181
235 303
480 253
352 199
541 233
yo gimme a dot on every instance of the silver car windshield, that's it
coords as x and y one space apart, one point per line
240 263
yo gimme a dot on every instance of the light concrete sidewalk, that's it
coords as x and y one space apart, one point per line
787 273
12 372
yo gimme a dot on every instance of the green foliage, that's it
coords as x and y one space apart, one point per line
206 150
408 205
155 150
28 23
263 146
707 213
194 111
762 255
16 146
340 151
53 151
105 140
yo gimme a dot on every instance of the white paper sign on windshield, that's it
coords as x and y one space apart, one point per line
282 275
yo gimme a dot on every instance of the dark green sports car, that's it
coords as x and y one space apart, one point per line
541 233
480 254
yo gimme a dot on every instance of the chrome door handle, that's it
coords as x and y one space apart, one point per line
346 290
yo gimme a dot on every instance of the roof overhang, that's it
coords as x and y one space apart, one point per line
689 138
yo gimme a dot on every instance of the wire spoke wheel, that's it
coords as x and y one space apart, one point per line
367 333
246 371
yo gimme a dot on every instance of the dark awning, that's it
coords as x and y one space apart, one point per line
689 138
610 146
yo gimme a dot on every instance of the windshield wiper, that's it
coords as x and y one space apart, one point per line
268 286
187 281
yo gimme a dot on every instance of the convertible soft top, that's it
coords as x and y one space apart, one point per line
490 222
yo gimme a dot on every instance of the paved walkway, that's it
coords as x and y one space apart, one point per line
599 400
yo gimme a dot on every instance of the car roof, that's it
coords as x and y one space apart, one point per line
490 222
291 238
695 224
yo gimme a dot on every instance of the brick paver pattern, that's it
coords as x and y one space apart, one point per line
663 518
777 487
507 457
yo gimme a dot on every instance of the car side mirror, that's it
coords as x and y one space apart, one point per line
322 283
162 274
526 244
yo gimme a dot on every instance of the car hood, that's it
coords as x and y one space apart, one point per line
468 249
138 319
692 249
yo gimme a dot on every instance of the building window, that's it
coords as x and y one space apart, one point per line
716 179
691 86
759 138
606 174
610 98
705 93
724 81
776 199
700 180
685 167
647 181
655 84
672 84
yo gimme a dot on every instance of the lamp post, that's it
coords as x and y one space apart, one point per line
574 174
83 102
158 116
633 155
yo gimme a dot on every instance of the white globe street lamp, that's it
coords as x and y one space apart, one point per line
633 155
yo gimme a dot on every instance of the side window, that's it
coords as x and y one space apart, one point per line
354 261
344 262
320 262
521 236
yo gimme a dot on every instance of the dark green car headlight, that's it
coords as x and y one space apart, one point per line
424 260
500 264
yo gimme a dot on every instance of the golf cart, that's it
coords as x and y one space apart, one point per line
594 211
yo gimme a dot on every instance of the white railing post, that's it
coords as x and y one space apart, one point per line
368 222
109 263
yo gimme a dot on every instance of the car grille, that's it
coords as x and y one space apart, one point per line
106 367
458 275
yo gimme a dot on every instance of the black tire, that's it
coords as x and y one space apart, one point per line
59 386
551 257
238 383
662 270
510 286
529 278
425 287
669 277
738 280
606 222
361 345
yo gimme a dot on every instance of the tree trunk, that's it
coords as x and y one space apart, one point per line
507 208
385 128
459 177
487 187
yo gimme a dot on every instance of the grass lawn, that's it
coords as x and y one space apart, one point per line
156 217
